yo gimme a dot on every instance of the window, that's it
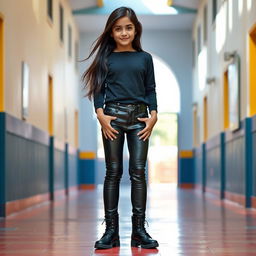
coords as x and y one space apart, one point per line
214 10
69 41
61 24
49 9
205 23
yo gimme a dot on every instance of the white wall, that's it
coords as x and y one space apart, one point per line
29 36
88 121
242 16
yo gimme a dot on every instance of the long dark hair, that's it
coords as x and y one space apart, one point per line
95 75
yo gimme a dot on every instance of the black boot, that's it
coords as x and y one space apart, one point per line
111 236
139 235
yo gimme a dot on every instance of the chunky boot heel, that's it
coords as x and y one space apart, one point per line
139 235
116 243
110 237
134 243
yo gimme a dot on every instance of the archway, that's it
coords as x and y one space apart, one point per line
163 150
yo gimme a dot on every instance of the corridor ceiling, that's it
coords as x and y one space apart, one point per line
153 14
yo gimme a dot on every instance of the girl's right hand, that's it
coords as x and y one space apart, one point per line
107 129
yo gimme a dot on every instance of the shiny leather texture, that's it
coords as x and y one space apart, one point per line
126 123
139 236
110 237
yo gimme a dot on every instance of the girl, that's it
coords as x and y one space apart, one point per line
121 81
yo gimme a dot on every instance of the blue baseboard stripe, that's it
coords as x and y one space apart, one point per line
203 167
2 165
51 168
248 162
222 166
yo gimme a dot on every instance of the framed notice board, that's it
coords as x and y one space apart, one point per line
25 89
234 93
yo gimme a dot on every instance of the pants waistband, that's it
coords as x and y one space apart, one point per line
126 104
140 107
126 114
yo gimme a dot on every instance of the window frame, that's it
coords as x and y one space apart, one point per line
50 10
61 23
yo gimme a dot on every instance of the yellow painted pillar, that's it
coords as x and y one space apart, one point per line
169 2
252 70
100 3
2 108
50 107
226 100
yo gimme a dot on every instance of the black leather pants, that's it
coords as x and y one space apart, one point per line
126 123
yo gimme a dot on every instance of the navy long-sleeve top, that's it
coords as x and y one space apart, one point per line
130 79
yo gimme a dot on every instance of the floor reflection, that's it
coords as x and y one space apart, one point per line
133 251
184 222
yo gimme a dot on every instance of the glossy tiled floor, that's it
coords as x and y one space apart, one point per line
183 221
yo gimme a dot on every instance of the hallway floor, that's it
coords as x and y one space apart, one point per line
183 221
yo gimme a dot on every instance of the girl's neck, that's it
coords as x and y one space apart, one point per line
124 49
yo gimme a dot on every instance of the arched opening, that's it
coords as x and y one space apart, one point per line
163 150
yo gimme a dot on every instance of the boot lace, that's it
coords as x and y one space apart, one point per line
144 229
107 230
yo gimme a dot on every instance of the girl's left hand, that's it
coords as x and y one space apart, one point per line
150 122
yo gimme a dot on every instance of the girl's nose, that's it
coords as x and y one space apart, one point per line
123 32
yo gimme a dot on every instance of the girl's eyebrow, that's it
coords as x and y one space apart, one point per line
125 25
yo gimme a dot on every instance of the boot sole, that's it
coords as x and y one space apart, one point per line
135 243
106 246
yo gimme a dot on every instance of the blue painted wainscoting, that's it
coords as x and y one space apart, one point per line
34 166
72 167
225 165
24 169
213 165
59 166
198 162
235 165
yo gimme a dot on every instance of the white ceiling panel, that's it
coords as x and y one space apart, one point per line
92 22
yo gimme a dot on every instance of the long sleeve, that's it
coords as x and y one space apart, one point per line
98 98
150 85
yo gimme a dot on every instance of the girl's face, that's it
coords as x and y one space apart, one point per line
123 32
